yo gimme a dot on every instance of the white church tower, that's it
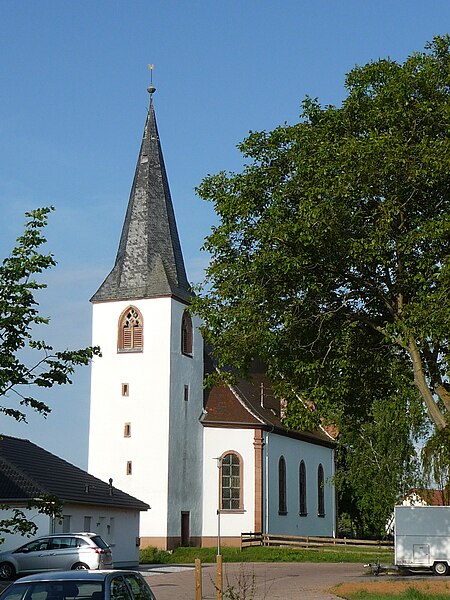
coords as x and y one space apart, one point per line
146 389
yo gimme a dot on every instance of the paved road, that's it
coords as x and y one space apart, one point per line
272 581
277 581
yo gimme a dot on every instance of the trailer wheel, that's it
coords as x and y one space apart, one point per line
440 568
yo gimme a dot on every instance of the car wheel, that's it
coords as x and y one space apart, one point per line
80 567
440 568
7 571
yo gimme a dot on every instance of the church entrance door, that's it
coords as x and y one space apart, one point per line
185 529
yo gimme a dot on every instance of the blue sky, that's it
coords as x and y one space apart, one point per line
73 102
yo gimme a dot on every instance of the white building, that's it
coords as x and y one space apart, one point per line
156 432
28 472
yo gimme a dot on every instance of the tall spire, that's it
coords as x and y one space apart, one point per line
149 262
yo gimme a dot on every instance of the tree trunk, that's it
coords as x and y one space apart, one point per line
419 380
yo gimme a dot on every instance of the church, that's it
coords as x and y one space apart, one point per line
211 463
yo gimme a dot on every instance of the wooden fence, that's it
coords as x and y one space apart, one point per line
265 539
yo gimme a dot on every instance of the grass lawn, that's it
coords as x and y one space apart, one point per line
269 554
428 589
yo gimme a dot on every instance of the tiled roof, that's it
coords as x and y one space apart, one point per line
149 262
28 471
429 496
251 403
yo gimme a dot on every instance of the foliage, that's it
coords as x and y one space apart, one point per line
19 316
18 523
25 362
331 258
242 586
152 555
376 464
436 462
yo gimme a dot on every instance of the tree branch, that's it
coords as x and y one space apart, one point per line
420 382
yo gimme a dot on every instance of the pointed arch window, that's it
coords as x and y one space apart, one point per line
320 492
186 334
302 489
231 482
131 331
282 499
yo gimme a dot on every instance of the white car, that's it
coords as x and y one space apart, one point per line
59 552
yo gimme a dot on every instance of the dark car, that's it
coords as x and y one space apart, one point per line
80 585
59 552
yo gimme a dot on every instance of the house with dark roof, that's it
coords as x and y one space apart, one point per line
203 461
29 472
427 497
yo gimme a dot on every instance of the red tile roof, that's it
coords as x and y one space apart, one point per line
250 403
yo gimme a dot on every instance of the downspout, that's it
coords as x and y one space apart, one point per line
258 444
266 485
333 487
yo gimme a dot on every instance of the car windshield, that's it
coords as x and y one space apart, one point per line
54 590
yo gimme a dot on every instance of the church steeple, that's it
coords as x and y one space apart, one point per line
149 262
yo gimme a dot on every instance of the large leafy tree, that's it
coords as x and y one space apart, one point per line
331 257
27 363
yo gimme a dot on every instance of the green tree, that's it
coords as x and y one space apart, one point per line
27 364
436 462
331 257
376 465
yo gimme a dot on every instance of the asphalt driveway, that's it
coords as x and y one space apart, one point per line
280 581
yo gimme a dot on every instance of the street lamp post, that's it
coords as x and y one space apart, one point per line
219 585
219 464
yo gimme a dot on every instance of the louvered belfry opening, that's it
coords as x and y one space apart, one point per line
186 334
131 331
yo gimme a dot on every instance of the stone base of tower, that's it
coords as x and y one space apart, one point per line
230 542
170 543
167 543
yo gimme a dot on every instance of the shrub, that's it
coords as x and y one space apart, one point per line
152 555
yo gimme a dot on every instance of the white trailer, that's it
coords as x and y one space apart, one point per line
422 538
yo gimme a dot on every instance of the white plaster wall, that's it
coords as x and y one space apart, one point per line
294 451
185 430
216 442
146 408
118 527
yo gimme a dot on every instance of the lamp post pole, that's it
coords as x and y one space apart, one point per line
219 464
219 584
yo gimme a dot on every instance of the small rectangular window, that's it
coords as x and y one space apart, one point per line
186 393
127 430
87 523
66 523
125 389
110 528
129 467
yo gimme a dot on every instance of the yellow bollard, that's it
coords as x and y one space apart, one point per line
219 577
198 579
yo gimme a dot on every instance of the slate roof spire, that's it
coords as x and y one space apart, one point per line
149 261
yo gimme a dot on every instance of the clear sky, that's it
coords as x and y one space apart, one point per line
73 103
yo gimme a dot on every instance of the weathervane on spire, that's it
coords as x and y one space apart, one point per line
151 89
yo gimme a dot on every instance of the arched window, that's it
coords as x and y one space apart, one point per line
320 492
302 489
131 330
231 482
282 503
186 334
